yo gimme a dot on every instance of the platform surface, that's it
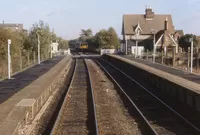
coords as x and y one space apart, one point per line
180 73
25 86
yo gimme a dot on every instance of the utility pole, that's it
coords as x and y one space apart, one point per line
38 46
9 59
191 60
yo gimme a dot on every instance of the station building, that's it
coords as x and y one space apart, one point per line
140 29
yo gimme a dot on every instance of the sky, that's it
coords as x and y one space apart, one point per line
68 17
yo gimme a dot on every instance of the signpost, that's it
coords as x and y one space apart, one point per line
9 59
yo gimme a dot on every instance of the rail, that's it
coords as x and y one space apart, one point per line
146 124
78 113
144 108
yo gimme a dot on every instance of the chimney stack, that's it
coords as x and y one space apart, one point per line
149 14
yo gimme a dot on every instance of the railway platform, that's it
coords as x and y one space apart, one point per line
184 87
177 72
22 96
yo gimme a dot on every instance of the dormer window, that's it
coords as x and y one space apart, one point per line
138 32
138 29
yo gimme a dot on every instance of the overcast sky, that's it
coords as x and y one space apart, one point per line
67 17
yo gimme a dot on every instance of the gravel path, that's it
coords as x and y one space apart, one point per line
113 118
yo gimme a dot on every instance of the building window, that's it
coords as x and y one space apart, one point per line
138 32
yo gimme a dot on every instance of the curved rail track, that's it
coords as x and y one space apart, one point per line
155 117
77 114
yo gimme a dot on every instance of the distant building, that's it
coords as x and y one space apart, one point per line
13 26
139 29
54 47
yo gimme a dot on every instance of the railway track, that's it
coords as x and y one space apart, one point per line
155 117
77 114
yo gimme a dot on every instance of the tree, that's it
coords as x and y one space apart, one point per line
17 39
107 39
114 38
184 41
85 34
92 43
23 45
63 44
103 39
73 42
45 37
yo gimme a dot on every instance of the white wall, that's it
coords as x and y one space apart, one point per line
54 47
108 51
140 50
139 37
65 52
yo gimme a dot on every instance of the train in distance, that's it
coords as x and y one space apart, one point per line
81 46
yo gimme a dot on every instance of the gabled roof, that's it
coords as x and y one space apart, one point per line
137 27
180 32
166 36
158 23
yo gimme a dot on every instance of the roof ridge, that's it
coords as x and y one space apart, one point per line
144 14
11 23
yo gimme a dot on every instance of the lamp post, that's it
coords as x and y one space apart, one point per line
9 59
38 37
126 45
154 31
51 48
136 44
191 60
51 44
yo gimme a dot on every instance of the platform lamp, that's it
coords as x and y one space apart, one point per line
154 31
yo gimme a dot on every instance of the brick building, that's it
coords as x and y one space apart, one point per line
140 29
12 26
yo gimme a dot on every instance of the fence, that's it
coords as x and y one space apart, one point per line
19 62
180 60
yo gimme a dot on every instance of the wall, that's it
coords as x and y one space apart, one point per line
54 47
108 51
140 50
186 92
